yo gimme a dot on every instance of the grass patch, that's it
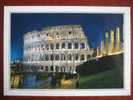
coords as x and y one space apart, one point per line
110 79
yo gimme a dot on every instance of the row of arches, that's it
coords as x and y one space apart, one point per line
56 46
57 57
67 69
56 30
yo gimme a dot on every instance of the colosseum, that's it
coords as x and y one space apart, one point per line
56 49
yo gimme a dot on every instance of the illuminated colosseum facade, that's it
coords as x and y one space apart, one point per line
56 49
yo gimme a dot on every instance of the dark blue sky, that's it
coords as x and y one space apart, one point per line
94 25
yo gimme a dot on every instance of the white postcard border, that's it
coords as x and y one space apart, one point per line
68 9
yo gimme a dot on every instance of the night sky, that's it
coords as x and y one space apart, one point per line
94 26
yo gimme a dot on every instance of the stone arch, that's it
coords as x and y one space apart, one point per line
61 69
69 45
63 57
63 46
46 68
69 57
82 45
88 56
42 68
56 57
56 68
51 46
57 45
52 68
76 56
82 57
64 69
52 57
76 45
46 57
70 68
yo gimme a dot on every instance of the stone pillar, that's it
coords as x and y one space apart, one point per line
102 47
49 68
78 56
106 42
97 51
59 68
60 46
60 57
54 69
85 57
78 46
72 45
44 69
118 38
72 69
66 68
112 40
85 45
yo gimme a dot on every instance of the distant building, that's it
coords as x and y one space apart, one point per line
56 49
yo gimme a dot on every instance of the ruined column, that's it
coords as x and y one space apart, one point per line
49 69
112 40
117 38
102 47
97 51
54 69
106 42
